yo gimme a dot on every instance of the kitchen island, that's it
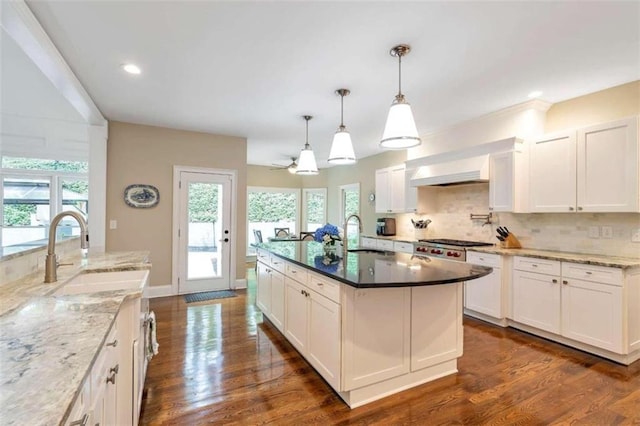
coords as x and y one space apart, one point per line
371 324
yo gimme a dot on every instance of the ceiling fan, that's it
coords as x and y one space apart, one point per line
291 168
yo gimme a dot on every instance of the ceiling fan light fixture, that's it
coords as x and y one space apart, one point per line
293 169
307 160
342 148
400 130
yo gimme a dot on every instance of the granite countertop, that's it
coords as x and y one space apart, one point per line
587 259
48 343
376 270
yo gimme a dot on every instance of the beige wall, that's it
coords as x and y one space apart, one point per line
146 155
599 107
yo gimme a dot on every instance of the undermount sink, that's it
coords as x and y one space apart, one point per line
105 281
372 251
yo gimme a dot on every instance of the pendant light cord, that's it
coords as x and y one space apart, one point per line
306 142
341 110
399 74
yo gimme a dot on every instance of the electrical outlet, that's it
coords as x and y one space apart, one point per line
607 232
594 232
635 236
113 224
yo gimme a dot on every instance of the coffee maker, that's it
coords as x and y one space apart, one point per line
386 226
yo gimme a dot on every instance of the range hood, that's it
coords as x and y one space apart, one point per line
467 165
467 170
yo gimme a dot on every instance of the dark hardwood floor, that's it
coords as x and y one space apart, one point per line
219 363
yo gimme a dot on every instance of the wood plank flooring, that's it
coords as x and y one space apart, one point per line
219 363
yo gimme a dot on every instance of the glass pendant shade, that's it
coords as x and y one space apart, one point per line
342 148
307 162
400 132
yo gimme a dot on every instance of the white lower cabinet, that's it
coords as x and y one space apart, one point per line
324 342
486 296
296 315
376 335
583 303
277 300
263 291
270 292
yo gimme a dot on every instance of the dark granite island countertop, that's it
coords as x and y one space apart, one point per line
368 269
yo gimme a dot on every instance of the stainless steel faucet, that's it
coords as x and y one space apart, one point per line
345 242
51 262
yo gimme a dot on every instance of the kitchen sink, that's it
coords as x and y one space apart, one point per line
371 251
105 281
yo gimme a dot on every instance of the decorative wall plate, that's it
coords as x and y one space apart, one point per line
141 196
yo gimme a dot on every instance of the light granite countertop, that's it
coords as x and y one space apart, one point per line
48 344
587 259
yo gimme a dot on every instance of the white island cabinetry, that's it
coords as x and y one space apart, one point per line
368 343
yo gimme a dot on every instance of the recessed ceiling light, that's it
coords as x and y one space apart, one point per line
131 68
535 94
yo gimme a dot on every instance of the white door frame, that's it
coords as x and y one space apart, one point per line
233 175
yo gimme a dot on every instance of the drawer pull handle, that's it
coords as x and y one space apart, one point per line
114 369
112 379
319 284
588 272
293 271
565 282
81 422
114 343
534 265
554 280
481 258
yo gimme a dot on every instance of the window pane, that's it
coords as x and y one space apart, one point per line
351 203
315 209
75 197
40 164
268 210
26 212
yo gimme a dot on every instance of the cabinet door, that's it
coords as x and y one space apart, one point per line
536 300
296 315
436 324
383 197
377 333
277 300
324 338
367 242
397 189
484 294
608 167
553 173
263 293
592 313
501 182
410 193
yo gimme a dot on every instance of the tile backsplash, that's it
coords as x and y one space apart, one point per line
568 232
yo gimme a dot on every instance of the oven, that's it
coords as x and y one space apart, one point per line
445 248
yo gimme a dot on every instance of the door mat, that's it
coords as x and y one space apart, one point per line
208 295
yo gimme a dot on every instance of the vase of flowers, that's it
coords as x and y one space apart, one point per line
330 236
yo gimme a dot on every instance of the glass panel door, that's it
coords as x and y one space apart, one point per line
314 209
204 232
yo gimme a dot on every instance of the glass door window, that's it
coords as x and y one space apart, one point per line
314 208
350 204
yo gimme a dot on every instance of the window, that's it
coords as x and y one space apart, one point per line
270 208
350 204
314 208
34 191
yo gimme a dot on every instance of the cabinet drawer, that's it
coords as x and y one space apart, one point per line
367 242
277 263
600 274
324 286
484 259
533 264
263 256
296 272
385 244
403 247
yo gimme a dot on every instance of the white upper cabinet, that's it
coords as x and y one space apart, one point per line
508 180
594 169
608 167
390 190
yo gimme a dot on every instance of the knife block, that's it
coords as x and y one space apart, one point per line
510 242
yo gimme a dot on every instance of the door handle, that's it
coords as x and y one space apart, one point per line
226 240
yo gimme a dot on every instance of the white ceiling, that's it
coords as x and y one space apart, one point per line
251 69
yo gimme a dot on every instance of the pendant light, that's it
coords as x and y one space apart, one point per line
307 160
400 132
342 148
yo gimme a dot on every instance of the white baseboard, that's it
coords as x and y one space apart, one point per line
240 283
158 291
